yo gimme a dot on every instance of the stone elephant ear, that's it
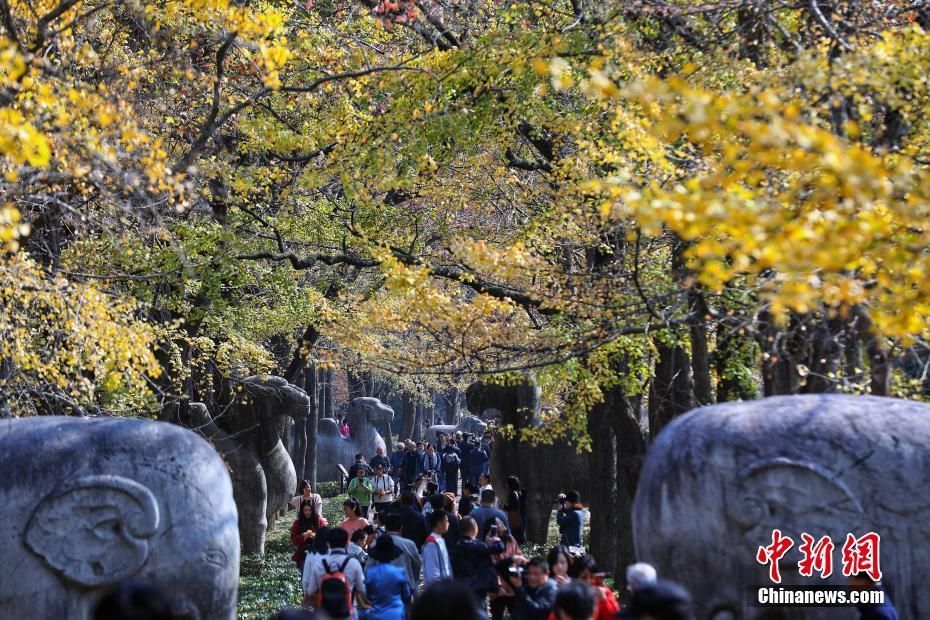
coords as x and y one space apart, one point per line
96 530
792 495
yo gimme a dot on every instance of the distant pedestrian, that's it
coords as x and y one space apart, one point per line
570 519
382 489
515 507
487 512
305 494
380 459
360 489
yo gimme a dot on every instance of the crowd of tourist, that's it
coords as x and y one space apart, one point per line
427 525
425 537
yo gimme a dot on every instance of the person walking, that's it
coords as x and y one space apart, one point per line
487 512
478 463
303 531
414 523
432 462
382 489
515 507
397 463
451 460
409 560
337 578
353 516
360 489
411 466
380 459
386 583
436 563
471 560
306 494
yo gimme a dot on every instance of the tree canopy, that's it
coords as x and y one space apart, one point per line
450 189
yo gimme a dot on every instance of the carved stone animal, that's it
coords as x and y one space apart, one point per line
87 503
544 470
468 424
332 448
719 479
248 436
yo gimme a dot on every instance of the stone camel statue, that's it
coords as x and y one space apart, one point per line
332 448
89 503
718 480
248 436
468 424
544 470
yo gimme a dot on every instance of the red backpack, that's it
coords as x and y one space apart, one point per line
335 594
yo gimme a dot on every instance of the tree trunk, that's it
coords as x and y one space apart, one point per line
313 420
779 375
419 413
603 504
408 416
700 359
631 451
329 404
826 340
453 415
880 370
672 390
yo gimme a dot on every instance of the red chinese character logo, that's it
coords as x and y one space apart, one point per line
774 552
817 556
860 555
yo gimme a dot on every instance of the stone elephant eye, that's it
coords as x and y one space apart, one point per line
216 557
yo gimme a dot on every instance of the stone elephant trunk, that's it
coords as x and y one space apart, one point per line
248 436
544 470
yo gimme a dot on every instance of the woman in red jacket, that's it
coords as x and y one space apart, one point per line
303 532
585 569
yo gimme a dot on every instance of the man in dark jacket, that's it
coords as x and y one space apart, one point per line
570 519
873 611
466 449
414 527
411 466
380 459
535 592
451 460
477 463
471 560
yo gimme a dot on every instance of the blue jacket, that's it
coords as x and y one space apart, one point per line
883 611
570 524
478 462
388 591
397 459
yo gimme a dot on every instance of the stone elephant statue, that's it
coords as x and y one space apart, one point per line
468 424
88 503
248 436
719 479
332 448
545 470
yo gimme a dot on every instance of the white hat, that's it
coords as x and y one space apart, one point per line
640 575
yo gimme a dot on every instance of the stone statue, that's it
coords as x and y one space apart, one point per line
87 503
248 436
545 470
719 479
333 449
468 424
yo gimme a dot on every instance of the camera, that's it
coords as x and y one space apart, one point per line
493 530
516 571
560 500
